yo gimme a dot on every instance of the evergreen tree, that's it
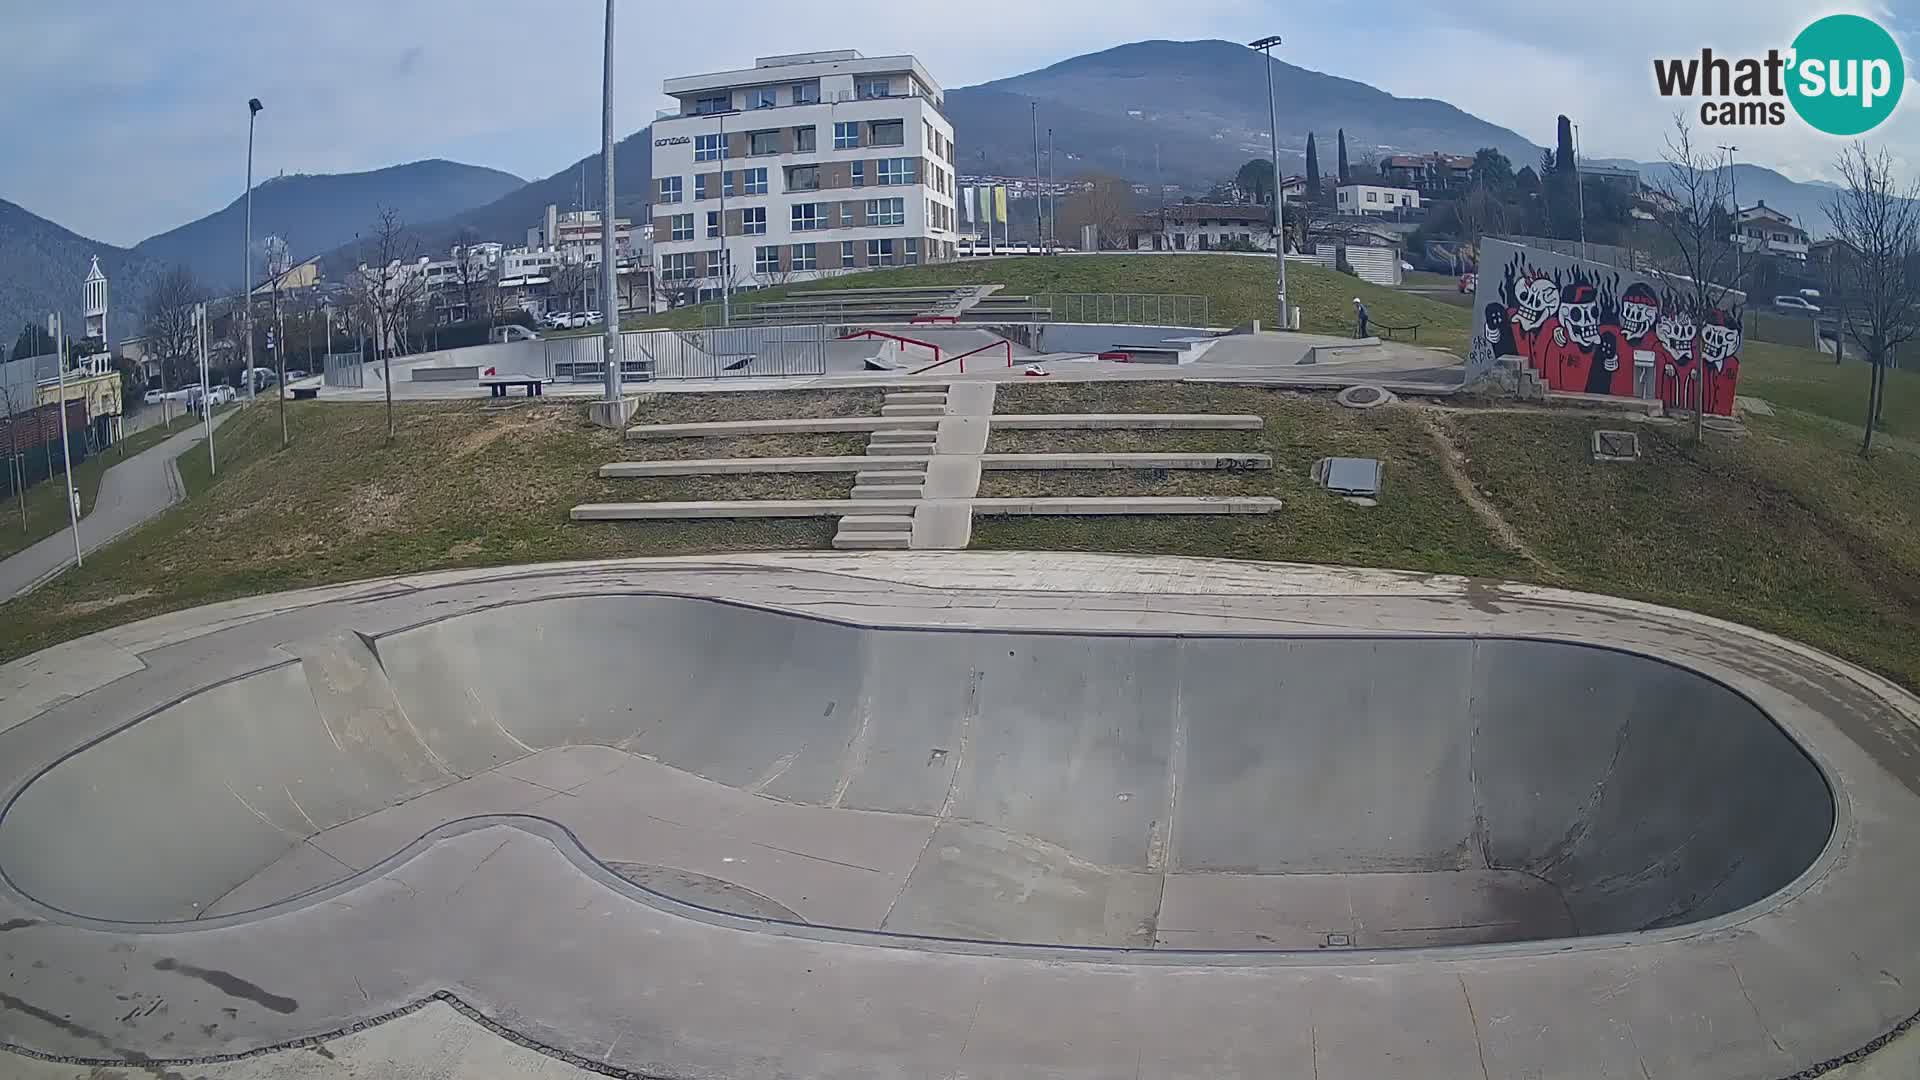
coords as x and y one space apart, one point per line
1565 157
1346 174
1313 170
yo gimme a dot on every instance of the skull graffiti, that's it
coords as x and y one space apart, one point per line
1675 330
1719 339
1580 314
1537 299
1639 309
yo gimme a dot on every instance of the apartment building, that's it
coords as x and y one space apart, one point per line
802 166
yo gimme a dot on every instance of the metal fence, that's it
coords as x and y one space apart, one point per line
1133 309
345 370
737 352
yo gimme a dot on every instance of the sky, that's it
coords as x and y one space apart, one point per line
135 110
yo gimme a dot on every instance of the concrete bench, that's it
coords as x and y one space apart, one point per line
499 384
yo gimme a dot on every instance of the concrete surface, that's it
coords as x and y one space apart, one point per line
730 508
990 745
1130 504
131 491
1127 421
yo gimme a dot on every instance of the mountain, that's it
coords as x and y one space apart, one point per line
1205 104
507 218
316 213
1804 201
42 265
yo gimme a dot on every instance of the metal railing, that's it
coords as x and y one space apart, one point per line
345 370
735 352
1133 309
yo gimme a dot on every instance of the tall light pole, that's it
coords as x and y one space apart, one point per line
1265 45
246 261
726 264
1039 204
609 274
1733 192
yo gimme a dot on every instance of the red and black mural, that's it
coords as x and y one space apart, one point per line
1594 329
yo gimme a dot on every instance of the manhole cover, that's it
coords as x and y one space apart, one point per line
1339 941
1363 397
1616 446
1351 475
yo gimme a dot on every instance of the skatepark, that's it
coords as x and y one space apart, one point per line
962 813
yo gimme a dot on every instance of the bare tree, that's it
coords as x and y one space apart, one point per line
1701 264
1105 203
166 319
1878 222
279 263
16 465
390 289
1478 213
565 282
472 276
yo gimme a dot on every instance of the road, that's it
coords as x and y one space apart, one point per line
130 493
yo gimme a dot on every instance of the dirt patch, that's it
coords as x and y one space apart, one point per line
517 424
88 607
1453 462
373 508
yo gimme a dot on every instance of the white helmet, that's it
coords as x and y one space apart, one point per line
1356 299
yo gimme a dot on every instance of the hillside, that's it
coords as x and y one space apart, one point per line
507 217
1210 99
318 213
41 267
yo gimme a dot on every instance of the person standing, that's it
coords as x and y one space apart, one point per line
1360 317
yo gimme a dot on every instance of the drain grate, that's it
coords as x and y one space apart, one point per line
1349 475
1616 446
1339 941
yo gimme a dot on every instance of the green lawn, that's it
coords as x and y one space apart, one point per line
1810 382
47 500
1238 288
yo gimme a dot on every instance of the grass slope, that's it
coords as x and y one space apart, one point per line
1238 288
47 500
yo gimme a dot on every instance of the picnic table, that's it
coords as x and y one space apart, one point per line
499 384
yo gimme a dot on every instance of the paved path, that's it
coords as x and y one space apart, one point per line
130 493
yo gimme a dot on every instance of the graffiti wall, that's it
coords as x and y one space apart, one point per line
1590 328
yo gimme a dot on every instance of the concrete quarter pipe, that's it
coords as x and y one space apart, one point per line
519 789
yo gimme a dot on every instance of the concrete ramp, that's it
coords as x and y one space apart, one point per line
1188 792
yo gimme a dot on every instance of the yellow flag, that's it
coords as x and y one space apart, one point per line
1000 205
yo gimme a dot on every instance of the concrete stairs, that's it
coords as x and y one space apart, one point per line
913 444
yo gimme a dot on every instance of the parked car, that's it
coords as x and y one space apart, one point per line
592 318
224 395
1795 305
155 397
300 373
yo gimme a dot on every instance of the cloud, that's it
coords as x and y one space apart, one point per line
136 111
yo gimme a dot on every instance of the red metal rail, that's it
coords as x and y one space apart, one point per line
894 337
989 345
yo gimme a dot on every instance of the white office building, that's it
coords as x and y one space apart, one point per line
1375 199
800 167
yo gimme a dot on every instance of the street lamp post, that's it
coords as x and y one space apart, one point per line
246 260
1733 192
1579 191
1265 45
55 324
609 273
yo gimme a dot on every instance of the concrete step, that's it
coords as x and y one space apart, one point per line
890 476
919 449
720 466
920 435
872 541
916 397
877 523
886 491
913 410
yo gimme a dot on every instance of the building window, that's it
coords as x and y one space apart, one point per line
717 104
803 178
761 143
718 262
726 185
755 181
897 170
713 224
888 133
1370 196
677 267
879 252
670 191
766 260
913 251
753 220
872 88
683 226
859 174
803 139
846 214
806 217
709 147
846 135
805 257
806 93
762 97
846 253
886 211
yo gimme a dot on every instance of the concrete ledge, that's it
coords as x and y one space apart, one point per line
1225 462
445 374
1606 403
1208 504
784 427
1137 421
720 466
738 508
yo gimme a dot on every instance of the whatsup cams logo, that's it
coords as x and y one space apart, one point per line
1843 75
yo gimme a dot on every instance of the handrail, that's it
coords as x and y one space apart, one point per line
963 356
929 320
871 333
